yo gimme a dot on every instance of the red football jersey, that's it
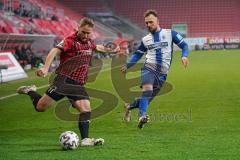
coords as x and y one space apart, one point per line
75 58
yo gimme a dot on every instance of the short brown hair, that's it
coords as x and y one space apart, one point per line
86 21
150 12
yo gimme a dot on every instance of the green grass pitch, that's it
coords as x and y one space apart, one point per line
198 119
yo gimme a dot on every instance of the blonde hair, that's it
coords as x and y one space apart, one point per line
150 12
86 21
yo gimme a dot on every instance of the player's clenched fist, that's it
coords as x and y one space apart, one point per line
41 72
185 61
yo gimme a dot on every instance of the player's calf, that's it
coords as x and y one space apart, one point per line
31 91
40 103
83 124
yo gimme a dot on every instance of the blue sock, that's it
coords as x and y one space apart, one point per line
143 102
135 104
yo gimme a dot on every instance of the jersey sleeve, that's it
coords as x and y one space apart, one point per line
176 37
179 41
65 45
137 55
141 49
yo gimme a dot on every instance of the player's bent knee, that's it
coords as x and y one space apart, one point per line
85 109
147 87
41 107
83 105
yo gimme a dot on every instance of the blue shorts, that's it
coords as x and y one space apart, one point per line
149 76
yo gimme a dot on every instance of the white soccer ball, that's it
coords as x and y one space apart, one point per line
69 140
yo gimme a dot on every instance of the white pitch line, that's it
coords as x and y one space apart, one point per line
8 96
46 85
15 94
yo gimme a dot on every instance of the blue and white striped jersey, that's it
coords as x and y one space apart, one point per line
158 47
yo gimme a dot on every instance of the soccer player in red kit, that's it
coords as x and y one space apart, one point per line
75 53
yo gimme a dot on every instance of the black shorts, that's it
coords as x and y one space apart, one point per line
63 86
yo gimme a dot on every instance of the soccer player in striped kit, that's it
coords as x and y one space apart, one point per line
158 46
75 53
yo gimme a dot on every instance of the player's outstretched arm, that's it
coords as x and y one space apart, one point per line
185 53
134 58
42 72
105 49
179 41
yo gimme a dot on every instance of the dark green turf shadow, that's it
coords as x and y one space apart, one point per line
30 144
44 150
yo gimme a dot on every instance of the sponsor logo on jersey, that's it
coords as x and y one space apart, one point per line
157 45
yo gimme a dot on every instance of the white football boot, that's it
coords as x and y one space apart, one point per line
26 89
142 120
92 142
